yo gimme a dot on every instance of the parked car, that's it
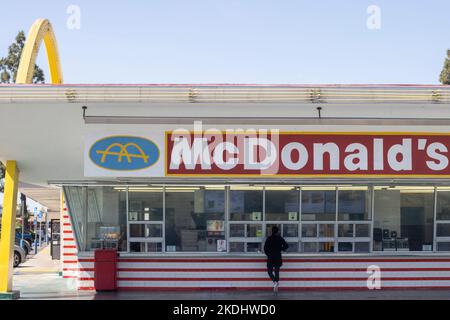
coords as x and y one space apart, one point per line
25 245
28 236
19 255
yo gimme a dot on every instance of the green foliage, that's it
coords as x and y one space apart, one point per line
444 78
10 64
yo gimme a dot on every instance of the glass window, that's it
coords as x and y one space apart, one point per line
362 247
237 230
145 203
318 204
153 231
254 247
154 246
293 247
443 230
237 246
309 247
353 204
246 203
254 230
281 204
309 230
345 230
195 218
290 230
443 246
145 246
138 247
443 204
403 218
137 230
345 246
326 246
326 230
362 230
314 247
99 216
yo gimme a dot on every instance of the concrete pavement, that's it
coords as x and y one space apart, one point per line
39 263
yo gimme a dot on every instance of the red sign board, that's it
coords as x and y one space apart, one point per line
307 154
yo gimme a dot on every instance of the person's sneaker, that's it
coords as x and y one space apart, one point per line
275 286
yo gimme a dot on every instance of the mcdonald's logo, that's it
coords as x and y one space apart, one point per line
124 153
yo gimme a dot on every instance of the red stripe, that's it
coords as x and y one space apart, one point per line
288 279
332 85
69 254
233 260
86 288
67 231
283 270
66 217
70 261
78 269
68 239
263 270
287 260
66 224
70 277
86 279
270 288
69 247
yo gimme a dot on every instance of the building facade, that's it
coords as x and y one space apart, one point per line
186 181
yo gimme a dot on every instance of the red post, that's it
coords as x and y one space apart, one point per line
105 278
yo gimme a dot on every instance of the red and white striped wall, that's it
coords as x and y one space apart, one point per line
196 273
69 251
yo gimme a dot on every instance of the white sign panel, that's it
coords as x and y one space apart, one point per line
124 154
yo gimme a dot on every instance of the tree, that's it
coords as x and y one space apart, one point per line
445 73
10 64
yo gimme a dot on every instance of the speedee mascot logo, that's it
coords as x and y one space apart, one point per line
124 153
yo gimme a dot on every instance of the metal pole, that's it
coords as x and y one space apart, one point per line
23 206
35 233
40 234
46 228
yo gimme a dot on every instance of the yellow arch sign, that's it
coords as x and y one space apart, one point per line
40 30
123 152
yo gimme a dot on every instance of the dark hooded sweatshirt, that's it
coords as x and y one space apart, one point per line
273 247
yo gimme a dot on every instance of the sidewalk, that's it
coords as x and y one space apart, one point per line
39 263
39 278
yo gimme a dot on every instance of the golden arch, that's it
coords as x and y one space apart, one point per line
40 30
123 152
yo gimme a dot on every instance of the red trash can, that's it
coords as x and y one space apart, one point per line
105 270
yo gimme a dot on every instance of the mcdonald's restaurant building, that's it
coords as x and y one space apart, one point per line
186 181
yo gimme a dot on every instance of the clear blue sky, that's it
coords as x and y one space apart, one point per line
245 41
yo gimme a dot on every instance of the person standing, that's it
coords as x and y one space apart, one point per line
272 248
